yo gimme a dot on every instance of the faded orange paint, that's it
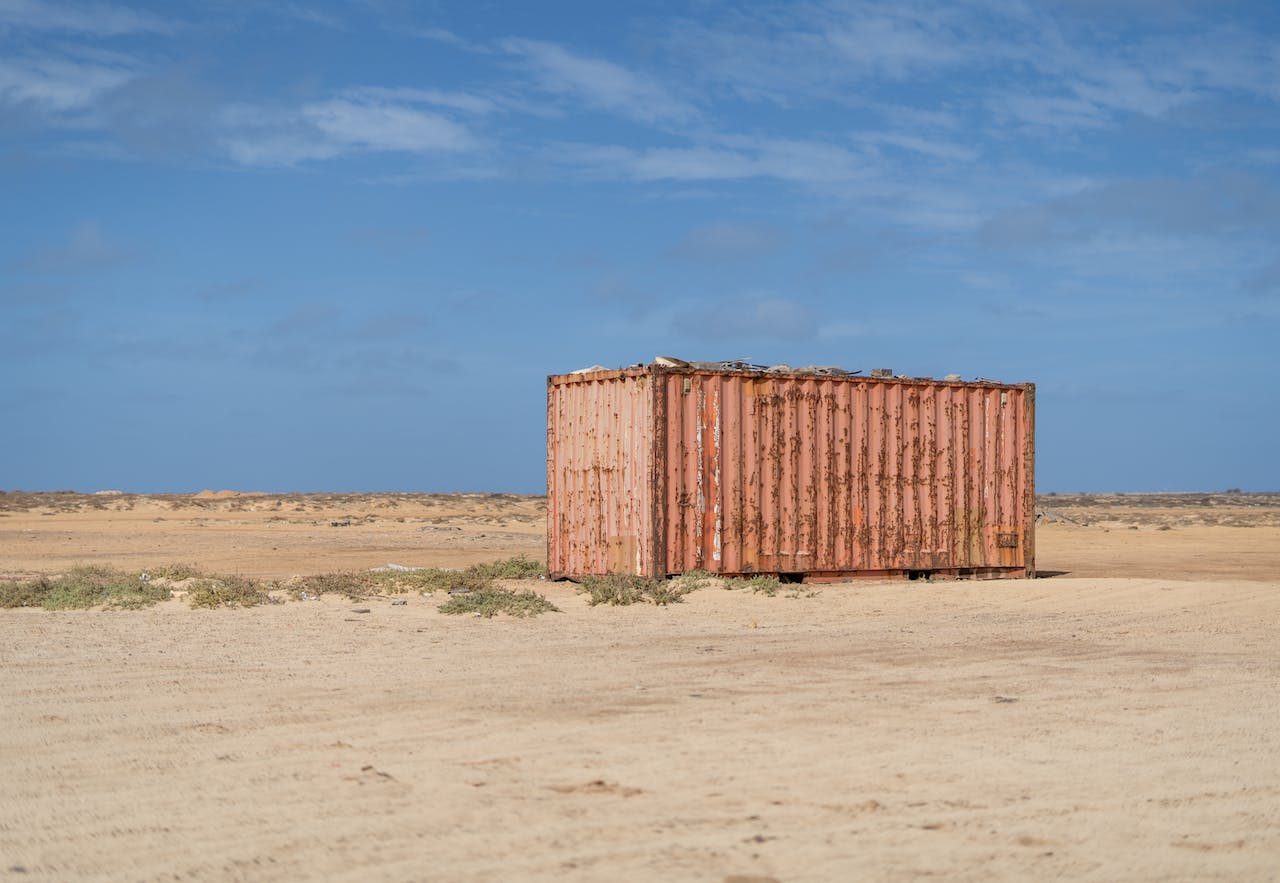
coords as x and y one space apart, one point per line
656 470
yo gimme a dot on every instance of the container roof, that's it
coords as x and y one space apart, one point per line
670 364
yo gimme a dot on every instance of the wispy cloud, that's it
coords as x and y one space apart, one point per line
358 121
310 15
725 158
445 36
97 19
946 151
1069 73
56 83
598 83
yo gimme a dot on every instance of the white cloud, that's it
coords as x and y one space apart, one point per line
1047 112
310 15
58 84
1069 73
354 122
441 35
898 40
932 147
99 19
598 83
727 158
385 127
467 102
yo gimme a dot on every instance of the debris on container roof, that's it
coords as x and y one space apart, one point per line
744 366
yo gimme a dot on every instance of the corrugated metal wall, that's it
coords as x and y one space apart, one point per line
656 471
799 474
600 474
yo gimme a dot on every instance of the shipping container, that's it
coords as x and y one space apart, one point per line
813 474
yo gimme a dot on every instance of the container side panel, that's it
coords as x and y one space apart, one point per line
599 517
808 474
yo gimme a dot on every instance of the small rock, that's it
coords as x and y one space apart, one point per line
399 603
359 609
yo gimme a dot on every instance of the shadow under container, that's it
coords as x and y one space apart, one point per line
657 470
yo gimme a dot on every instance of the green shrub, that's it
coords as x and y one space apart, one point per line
176 571
89 585
518 567
430 579
227 591
668 592
473 579
759 584
621 589
490 602
349 584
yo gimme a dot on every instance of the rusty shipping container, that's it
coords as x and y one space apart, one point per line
658 469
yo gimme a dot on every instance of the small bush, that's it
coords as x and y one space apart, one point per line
490 602
229 591
759 584
621 589
430 579
90 585
617 589
176 571
346 583
518 567
475 578
692 580
668 592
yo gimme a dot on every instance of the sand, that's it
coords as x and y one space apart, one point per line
1120 720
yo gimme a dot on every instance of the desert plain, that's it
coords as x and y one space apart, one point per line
1116 719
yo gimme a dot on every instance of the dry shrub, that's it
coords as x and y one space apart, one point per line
227 591
621 589
490 602
90 585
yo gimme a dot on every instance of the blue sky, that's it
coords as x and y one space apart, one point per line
339 246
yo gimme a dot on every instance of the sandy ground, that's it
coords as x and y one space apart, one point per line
1119 721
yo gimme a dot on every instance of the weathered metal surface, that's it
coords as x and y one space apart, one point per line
659 470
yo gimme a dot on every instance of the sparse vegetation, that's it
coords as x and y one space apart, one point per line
692 580
490 601
759 584
430 579
229 591
350 584
518 567
475 578
81 588
176 571
621 589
